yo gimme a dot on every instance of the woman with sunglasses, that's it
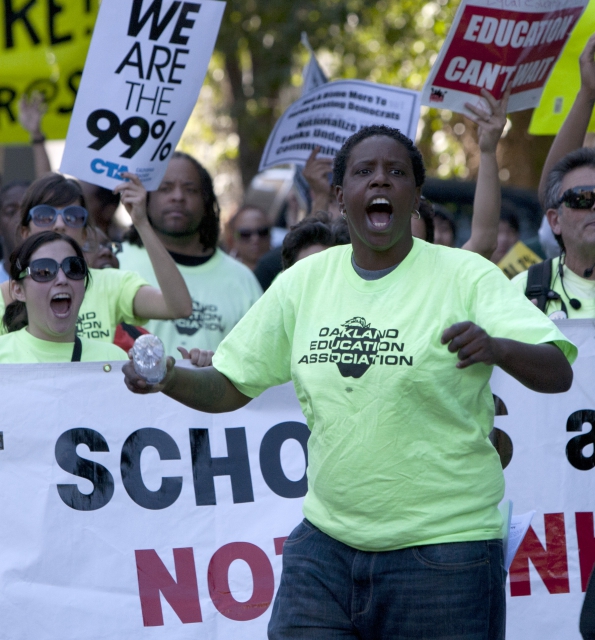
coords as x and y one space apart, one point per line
249 236
48 279
57 203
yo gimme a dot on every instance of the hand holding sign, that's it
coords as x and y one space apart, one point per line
133 197
587 64
489 124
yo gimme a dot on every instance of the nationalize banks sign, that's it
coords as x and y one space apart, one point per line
134 517
146 64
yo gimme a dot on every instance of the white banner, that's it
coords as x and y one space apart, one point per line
141 80
494 42
134 517
327 116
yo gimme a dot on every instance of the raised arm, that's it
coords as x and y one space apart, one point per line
31 112
202 389
172 299
540 367
316 172
487 201
572 133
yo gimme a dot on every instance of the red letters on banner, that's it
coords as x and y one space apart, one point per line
493 47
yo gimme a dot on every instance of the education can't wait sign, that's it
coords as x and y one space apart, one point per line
146 64
494 43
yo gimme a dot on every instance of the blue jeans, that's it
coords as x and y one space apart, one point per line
451 591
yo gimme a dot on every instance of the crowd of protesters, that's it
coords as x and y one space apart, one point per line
79 287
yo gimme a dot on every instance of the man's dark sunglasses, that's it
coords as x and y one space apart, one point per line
578 198
46 269
246 234
44 215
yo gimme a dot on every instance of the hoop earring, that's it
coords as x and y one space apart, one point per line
416 217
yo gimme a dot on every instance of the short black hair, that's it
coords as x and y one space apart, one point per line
209 226
315 229
341 159
426 213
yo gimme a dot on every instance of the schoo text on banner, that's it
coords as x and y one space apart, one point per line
491 47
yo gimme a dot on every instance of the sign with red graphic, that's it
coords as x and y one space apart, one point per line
494 43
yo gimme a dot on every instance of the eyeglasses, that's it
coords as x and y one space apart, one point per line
578 198
246 234
44 215
46 269
112 247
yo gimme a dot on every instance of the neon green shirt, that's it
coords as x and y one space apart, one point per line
108 301
399 453
20 347
576 287
222 290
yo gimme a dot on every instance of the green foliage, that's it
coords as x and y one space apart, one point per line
256 71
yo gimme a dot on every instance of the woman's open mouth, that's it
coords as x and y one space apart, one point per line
380 213
61 304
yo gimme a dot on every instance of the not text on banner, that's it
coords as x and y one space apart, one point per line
492 43
327 116
133 516
146 64
43 49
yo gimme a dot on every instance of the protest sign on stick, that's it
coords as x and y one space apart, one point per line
328 115
496 42
43 50
145 67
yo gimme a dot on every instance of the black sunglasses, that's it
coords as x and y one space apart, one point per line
246 234
578 197
44 215
46 269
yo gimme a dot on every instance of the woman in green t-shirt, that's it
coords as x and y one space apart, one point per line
57 203
390 344
48 279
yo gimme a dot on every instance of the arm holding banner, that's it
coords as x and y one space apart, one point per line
572 134
31 111
487 201
172 300
316 172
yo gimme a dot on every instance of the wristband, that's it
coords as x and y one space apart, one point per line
38 140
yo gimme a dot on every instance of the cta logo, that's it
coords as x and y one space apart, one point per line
113 169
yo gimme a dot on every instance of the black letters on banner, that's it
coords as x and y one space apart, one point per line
575 446
236 465
500 439
53 10
184 23
154 11
270 459
12 17
71 462
132 478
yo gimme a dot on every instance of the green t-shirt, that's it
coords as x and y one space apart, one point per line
108 301
399 453
222 290
576 287
20 347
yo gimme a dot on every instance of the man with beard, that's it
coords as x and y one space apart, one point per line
185 215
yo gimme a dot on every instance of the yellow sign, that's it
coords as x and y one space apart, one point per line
43 46
565 81
518 259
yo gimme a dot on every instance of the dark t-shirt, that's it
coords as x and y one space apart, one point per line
268 268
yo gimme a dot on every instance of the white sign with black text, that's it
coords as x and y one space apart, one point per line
325 117
146 64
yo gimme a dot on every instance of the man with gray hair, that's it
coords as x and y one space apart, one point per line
564 287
